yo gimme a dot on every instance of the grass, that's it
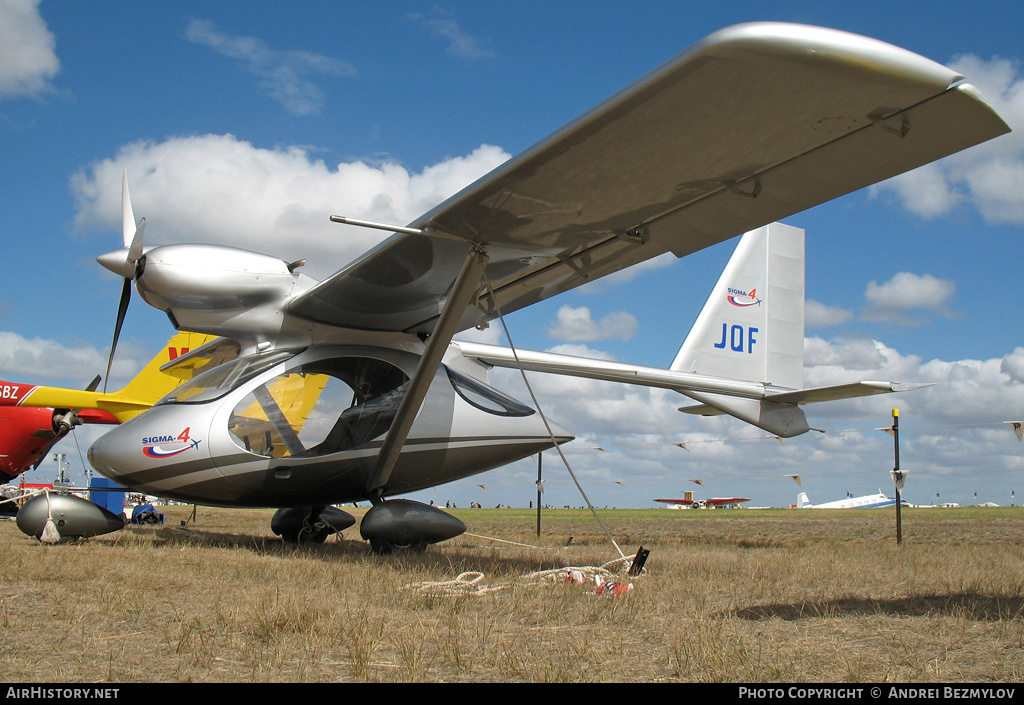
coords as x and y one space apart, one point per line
727 596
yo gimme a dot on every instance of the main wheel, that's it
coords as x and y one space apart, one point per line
385 548
314 535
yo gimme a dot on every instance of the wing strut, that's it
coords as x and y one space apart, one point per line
462 293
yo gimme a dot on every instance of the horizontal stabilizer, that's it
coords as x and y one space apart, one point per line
840 391
808 396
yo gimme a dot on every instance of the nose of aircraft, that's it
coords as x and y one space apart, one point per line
560 434
106 455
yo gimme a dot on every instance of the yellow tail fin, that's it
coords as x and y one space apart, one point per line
150 385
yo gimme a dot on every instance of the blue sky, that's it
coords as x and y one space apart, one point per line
266 118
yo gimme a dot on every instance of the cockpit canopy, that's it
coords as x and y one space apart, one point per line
322 406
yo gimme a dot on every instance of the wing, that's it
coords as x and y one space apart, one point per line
752 124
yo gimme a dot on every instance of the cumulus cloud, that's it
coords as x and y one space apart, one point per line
577 325
459 42
891 301
988 177
47 361
28 60
284 75
218 189
1013 365
819 315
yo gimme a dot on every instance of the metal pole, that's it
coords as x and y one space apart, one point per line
896 471
539 456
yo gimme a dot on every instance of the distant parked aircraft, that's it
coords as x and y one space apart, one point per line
869 501
713 503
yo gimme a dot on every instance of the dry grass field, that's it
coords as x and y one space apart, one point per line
726 596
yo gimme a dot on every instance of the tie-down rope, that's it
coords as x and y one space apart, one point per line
544 418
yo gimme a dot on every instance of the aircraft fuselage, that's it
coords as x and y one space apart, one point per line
304 427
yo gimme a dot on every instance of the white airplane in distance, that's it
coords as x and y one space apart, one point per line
869 501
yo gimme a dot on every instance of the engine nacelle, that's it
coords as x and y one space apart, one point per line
209 277
219 290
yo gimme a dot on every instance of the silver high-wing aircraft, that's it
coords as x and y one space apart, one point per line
351 389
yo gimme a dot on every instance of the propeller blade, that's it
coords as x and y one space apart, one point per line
135 248
94 384
128 224
122 309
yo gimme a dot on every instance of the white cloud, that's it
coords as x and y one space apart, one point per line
576 325
819 315
460 43
622 276
1013 365
218 189
34 360
843 354
282 73
906 291
27 58
952 427
990 176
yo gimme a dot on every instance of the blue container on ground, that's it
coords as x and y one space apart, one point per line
112 499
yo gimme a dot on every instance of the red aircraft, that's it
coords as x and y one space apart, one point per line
27 434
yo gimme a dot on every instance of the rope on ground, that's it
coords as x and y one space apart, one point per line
470 583
514 543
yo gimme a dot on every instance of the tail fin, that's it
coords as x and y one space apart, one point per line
138 395
150 385
752 326
752 329
802 502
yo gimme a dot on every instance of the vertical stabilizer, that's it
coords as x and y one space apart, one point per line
802 502
752 326
151 384
752 330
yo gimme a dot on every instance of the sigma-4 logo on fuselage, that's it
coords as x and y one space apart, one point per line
168 446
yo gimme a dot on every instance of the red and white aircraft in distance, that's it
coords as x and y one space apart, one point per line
712 503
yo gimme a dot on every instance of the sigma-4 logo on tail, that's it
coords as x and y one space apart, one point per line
160 447
742 298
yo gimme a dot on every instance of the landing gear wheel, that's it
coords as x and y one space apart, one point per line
312 535
386 548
